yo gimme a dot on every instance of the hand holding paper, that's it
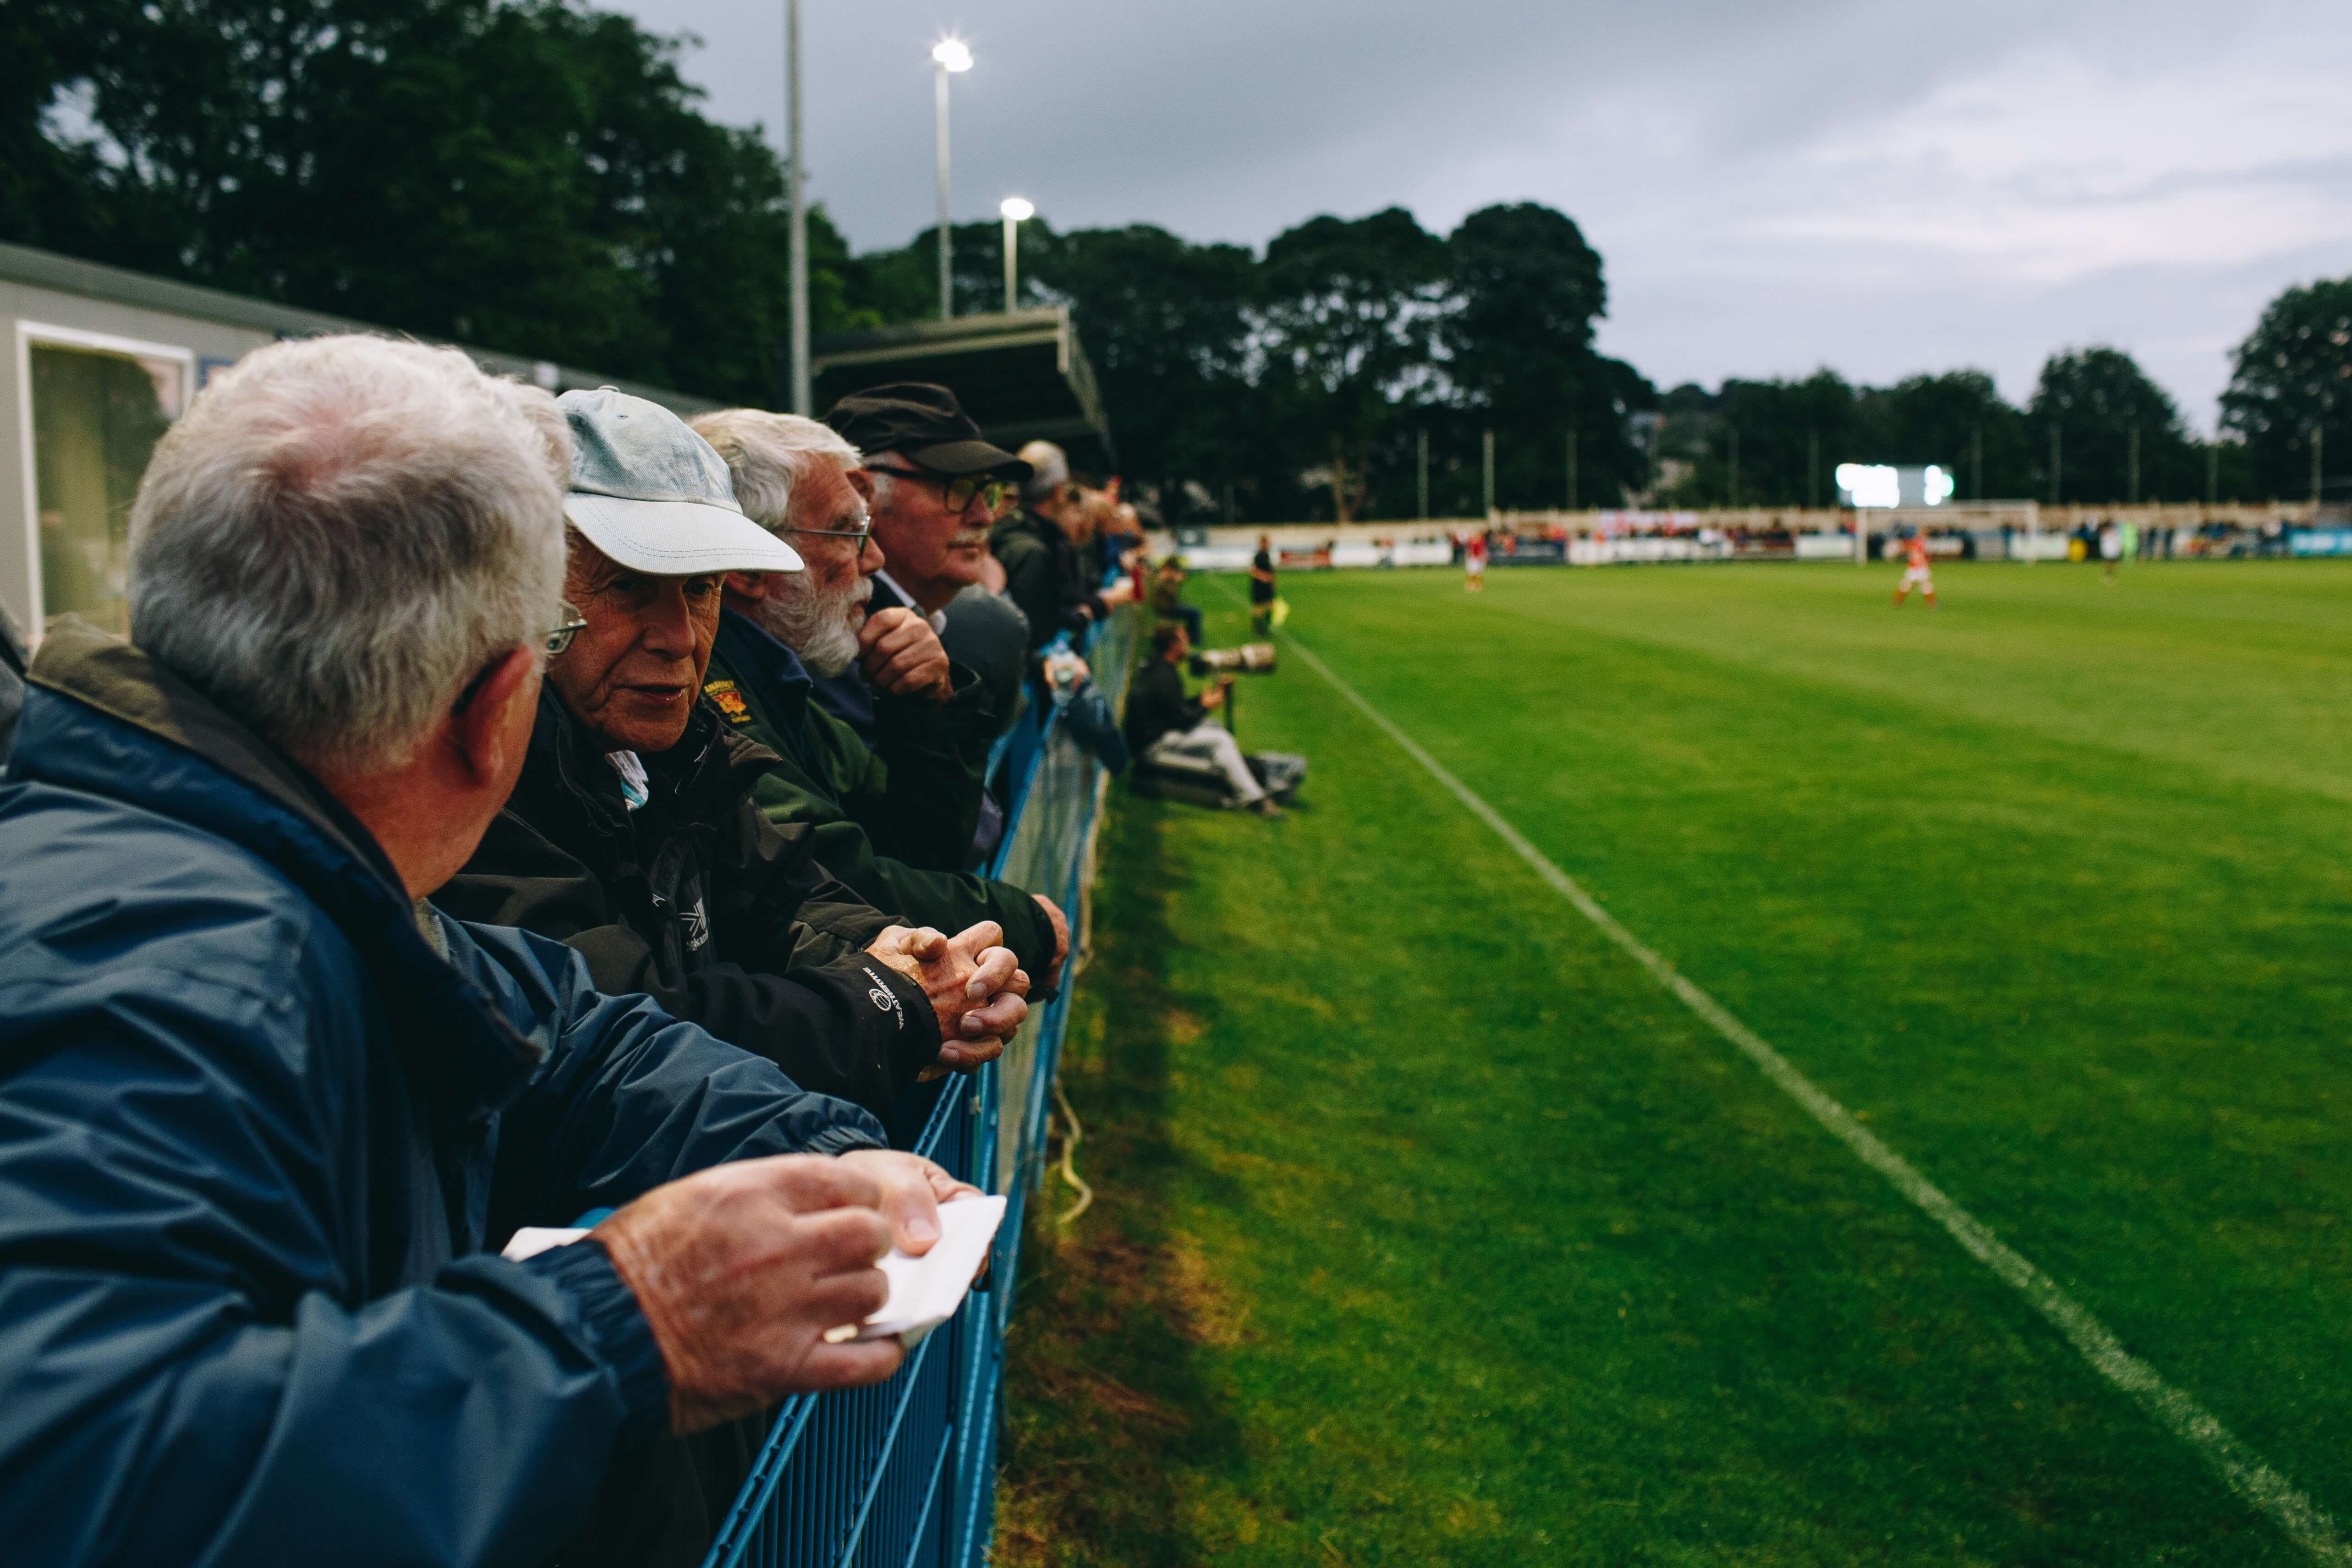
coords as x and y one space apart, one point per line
926 1291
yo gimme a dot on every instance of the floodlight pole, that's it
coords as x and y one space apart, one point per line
797 393
950 55
1423 454
1013 209
1573 445
1490 478
939 124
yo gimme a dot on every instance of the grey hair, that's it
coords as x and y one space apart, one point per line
768 455
342 532
1049 467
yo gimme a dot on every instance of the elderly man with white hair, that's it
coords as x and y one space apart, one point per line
265 1110
634 834
894 822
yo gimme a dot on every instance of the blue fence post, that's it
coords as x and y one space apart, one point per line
904 1474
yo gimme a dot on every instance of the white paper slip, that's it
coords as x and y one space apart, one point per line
533 1240
926 1291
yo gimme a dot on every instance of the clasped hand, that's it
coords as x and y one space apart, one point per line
976 987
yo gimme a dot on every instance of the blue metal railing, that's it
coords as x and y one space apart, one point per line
903 1474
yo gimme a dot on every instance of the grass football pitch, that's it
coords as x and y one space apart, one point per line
1431 1228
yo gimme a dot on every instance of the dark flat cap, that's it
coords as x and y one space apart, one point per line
923 423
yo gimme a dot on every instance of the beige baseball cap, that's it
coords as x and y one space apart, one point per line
651 494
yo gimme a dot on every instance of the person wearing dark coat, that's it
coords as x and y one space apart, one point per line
693 897
636 835
1165 726
894 819
1045 574
268 1116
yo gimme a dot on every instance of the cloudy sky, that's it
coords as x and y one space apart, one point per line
1881 186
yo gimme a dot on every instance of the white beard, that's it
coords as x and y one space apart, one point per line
822 628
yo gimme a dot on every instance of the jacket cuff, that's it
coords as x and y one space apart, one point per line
842 1139
914 1045
615 1329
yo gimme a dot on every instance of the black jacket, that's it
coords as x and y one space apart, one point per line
1156 704
1044 575
260 1117
696 899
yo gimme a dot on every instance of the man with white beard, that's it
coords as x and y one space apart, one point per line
892 821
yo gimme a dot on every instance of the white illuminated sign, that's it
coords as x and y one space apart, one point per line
1885 485
1869 484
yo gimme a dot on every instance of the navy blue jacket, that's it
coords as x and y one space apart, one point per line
254 1136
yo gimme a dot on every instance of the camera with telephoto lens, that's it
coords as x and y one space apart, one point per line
1250 659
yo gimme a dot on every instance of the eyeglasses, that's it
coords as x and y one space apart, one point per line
560 636
958 492
555 642
862 533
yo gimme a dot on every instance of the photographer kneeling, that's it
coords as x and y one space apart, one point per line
1166 727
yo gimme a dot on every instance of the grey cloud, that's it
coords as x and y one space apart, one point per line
1692 137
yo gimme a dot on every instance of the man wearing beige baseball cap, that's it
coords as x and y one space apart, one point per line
632 834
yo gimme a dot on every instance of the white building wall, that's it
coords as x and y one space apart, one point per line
29 315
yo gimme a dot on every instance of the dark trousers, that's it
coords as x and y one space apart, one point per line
1190 615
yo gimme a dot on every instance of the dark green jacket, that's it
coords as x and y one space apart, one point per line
892 823
696 899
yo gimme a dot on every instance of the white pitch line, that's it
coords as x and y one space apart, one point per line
2310 1526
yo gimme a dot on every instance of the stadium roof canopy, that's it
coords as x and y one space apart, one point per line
1020 373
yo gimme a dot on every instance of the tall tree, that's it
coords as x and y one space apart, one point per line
2105 410
1526 291
1958 420
1790 436
1350 316
1166 324
48 182
517 173
2292 378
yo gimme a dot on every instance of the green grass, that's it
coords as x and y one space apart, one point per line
1431 1230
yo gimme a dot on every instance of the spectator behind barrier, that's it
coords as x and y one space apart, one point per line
1044 573
895 823
634 834
1164 725
264 1107
935 484
987 633
1167 598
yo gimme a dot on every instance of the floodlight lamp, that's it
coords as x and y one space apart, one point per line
1870 484
952 55
1935 485
1018 210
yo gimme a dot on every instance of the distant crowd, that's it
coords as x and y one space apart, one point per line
505 808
